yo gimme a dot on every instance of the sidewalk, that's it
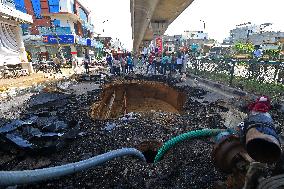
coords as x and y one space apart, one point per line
33 79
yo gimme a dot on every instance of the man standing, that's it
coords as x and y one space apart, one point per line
165 60
129 63
158 63
109 62
56 62
185 61
179 62
86 64
74 63
150 62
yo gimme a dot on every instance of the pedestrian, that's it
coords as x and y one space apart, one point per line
86 64
57 64
158 63
129 63
135 61
179 62
173 63
185 61
123 64
109 62
116 65
169 64
74 63
150 62
164 63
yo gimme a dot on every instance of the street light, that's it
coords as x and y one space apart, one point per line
204 24
103 23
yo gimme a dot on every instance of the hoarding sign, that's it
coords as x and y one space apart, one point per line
81 41
159 44
58 39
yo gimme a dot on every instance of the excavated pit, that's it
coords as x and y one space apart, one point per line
150 149
137 96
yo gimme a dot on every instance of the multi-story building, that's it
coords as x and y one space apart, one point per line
242 32
196 35
172 43
196 39
60 26
12 49
255 34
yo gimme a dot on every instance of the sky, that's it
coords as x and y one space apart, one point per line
219 15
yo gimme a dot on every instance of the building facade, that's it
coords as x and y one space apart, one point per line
12 49
255 34
59 27
196 35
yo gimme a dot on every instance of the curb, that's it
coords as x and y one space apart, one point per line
220 86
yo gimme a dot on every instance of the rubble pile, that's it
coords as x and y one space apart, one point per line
57 128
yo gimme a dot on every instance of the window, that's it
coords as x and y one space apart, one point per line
20 5
83 14
53 6
56 23
37 8
73 8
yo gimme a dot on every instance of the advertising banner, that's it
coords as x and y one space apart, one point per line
159 44
58 39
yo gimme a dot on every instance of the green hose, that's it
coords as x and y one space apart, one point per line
189 135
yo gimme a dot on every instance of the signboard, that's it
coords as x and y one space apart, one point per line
58 39
81 41
91 43
159 44
56 30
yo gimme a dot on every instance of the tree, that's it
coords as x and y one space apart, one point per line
243 48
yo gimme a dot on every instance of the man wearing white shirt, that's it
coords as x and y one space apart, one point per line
179 63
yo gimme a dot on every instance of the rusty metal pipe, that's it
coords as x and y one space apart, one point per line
261 140
228 152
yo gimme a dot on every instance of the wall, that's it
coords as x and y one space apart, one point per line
65 22
66 6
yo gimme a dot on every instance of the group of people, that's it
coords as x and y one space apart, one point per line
167 62
120 63
154 63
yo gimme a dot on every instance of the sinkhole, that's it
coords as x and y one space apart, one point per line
120 98
150 149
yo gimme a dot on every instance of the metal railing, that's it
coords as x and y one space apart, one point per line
231 69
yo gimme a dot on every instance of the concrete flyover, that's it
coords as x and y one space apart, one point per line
152 17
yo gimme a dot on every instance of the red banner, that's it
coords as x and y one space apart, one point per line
159 44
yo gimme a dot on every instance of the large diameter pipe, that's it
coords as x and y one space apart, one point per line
228 152
261 140
8 178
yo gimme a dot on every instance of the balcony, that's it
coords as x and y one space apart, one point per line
7 9
59 15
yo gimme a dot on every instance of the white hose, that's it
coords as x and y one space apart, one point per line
8 178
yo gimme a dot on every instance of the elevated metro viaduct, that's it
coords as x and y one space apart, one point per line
151 18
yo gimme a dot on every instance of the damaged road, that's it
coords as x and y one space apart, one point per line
56 126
